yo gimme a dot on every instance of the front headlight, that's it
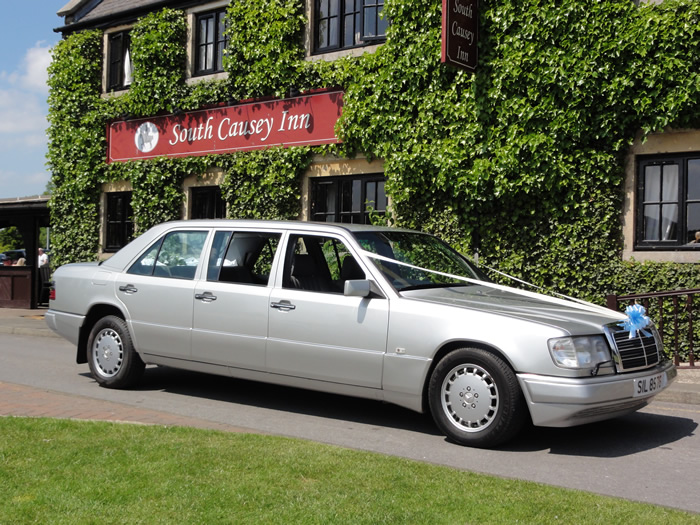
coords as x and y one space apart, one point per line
579 352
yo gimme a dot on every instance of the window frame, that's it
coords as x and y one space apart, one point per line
116 78
158 251
336 12
682 200
219 42
377 19
214 201
123 221
328 277
229 242
339 213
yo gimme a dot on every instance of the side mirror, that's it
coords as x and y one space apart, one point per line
357 288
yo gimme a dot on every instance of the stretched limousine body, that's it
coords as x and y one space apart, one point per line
373 312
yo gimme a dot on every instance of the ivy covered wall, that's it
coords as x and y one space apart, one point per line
523 160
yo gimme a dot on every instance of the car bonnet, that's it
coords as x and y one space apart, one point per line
571 316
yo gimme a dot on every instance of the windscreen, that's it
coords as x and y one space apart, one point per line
411 261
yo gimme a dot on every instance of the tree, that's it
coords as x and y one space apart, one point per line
10 239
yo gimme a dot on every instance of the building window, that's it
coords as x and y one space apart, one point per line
207 203
120 226
120 69
373 24
347 199
343 24
210 42
668 193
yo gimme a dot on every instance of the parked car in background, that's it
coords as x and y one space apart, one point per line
374 312
15 255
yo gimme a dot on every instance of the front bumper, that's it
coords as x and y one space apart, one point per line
565 402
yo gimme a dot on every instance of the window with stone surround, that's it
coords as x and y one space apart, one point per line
119 64
345 24
348 199
210 42
119 227
668 202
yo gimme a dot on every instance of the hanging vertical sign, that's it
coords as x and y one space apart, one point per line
460 20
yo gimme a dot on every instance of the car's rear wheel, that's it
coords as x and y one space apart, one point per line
475 398
113 361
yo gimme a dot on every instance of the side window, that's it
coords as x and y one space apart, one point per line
176 255
242 257
145 265
319 264
216 257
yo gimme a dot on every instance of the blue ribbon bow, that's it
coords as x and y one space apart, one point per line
636 320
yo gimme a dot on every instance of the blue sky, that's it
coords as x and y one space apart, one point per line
24 57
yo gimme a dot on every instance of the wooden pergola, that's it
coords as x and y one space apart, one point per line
24 286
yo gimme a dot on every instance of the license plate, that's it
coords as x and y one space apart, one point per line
646 386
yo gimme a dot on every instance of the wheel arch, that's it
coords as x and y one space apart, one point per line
449 347
97 312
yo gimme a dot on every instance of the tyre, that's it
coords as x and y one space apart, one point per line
475 398
113 361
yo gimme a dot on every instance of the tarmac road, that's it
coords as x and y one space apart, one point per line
651 456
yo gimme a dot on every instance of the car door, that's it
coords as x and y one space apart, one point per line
315 331
158 291
232 301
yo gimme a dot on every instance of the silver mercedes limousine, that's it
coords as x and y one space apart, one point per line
373 312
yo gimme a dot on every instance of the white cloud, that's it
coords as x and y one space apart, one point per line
32 72
35 65
23 111
23 93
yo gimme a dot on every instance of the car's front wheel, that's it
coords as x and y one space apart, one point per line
475 398
113 361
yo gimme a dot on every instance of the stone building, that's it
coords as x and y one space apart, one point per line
358 88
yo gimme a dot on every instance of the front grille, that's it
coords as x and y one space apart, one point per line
637 353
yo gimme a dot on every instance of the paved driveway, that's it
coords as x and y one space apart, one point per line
650 456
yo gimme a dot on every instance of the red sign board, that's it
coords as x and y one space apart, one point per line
301 121
460 22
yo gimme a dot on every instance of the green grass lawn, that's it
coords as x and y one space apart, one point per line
57 471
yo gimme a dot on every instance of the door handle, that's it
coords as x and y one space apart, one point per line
205 297
285 306
128 289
